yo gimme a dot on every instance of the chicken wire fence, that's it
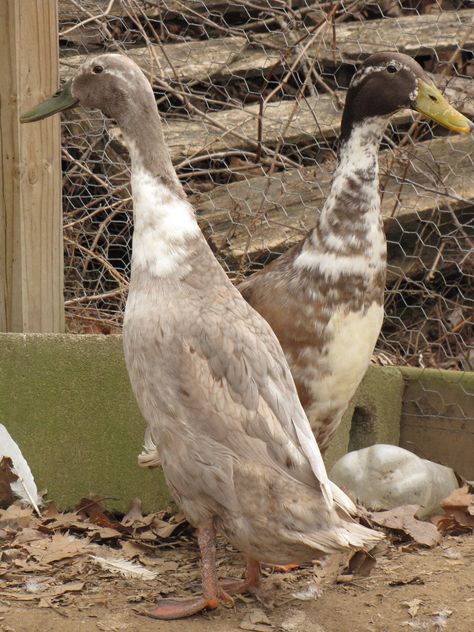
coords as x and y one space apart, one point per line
251 93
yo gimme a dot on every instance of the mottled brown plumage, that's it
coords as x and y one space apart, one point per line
324 297
209 374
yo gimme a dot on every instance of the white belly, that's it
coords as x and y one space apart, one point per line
353 336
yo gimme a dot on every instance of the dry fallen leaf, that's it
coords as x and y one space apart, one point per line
7 497
447 525
59 547
403 519
407 582
256 621
165 529
104 533
132 549
54 591
51 510
64 588
413 606
459 512
30 566
94 510
45 603
460 498
28 534
65 520
16 516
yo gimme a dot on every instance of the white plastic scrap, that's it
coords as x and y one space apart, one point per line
25 487
441 619
312 591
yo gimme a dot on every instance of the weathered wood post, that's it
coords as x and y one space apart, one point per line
31 250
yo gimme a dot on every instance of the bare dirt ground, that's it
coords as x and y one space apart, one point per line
409 588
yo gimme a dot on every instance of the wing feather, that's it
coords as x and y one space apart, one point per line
246 355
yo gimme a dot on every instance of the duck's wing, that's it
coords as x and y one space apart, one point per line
238 362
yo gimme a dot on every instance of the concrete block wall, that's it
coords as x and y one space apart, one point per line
67 402
373 415
437 419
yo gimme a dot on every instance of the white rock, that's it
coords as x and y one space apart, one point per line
387 476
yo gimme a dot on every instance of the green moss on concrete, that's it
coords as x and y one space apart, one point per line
373 415
437 419
67 401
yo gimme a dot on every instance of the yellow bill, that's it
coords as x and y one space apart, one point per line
431 103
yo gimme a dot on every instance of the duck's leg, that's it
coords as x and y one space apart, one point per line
250 584
180 608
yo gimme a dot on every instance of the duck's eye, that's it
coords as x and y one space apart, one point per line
97 69
433 98
392 68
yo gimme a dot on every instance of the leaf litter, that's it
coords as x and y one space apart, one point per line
51 560
64 547
402 520
458 517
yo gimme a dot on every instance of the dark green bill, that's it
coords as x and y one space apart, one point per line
60 101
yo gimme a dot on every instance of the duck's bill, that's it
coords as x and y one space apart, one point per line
432 104
60 101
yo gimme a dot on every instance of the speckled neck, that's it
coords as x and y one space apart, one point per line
352 210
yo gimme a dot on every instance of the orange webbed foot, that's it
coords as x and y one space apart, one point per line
169 609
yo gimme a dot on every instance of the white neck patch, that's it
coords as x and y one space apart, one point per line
360 150
163 222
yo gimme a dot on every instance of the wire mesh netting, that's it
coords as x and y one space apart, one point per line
251 93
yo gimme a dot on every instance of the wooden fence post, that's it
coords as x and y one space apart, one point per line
31 244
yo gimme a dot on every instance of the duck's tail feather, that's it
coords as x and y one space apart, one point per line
149 456
355 535
342 500
349 535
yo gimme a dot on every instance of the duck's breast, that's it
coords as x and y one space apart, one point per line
327 382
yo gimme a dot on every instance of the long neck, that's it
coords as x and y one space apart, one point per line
164 222
348 230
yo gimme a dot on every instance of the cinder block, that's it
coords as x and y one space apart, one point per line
437 421
373 415
67 402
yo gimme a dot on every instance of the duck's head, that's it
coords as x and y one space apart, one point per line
111 83
388 82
